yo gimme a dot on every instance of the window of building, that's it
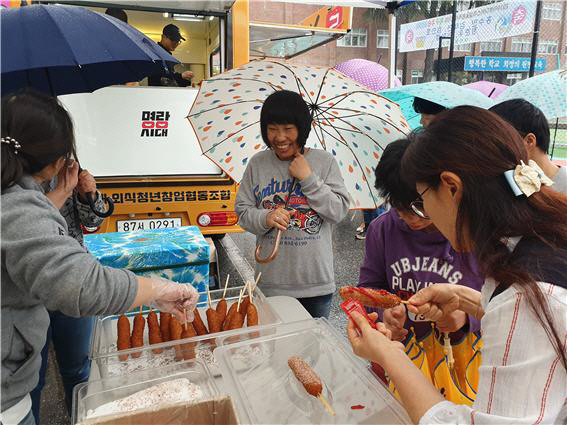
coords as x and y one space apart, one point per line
355 38
521 45
491 46
547 47
514 77
416 76
551 11
382 39
463 47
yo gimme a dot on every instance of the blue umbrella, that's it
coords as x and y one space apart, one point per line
62 49
443 93
546 91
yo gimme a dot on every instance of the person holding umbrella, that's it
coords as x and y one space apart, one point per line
485 199
297 190
42 267
427 109
171 38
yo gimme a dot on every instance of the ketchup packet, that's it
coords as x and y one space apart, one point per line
349 306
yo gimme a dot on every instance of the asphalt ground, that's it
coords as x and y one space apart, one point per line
236 257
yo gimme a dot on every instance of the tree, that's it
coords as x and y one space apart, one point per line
422 9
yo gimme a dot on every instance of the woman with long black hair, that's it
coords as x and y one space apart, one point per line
478 187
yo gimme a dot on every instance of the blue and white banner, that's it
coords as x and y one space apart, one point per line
490 63
485 23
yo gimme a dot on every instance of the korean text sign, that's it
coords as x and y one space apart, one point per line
485 23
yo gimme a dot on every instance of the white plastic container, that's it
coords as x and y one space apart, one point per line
266 390
89 396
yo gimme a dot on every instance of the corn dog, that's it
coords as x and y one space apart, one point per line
164 319
377 298
154 331
137 338
198 324
123 336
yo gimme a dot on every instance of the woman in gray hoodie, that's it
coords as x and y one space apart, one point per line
42 266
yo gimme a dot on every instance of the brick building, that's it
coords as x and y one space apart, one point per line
369 39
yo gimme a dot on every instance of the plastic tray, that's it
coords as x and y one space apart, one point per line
92 395
105 354
257 376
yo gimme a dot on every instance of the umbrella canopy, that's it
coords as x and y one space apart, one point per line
69 49
546 91
443 93
369 74
351 122
487 88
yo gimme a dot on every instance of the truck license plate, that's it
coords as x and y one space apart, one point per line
152 223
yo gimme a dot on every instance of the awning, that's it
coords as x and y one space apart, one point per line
287 41
173 6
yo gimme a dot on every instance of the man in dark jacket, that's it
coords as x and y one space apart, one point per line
170 39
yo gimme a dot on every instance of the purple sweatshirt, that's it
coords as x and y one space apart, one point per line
403 261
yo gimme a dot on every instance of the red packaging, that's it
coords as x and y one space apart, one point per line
352 305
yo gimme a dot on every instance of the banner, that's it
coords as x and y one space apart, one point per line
485 23
490 63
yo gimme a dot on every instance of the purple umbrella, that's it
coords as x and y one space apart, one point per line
487 88
368 73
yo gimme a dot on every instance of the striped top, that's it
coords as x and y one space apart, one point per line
521 379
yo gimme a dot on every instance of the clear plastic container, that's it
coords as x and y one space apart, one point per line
94 394
258 377
105 354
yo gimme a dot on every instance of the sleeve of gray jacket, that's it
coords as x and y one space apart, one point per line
328 196
86 215
48 265
250 217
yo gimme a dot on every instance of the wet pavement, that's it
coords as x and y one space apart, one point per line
236 257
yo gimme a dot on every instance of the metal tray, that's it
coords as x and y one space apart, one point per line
105 354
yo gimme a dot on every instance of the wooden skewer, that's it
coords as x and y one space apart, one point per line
225 285
140 309
257 280
240 298
326 405
209 297
448 350
249 284
404 302
185 324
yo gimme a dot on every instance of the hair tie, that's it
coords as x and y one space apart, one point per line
11 141
526 179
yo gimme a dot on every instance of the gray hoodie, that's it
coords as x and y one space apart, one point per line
304 265
42 267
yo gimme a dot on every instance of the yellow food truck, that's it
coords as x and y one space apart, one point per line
156 174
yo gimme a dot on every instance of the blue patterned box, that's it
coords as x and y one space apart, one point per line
180 254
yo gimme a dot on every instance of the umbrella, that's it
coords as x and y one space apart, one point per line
62 49
546 91
369 74
443 93
487 88
349 121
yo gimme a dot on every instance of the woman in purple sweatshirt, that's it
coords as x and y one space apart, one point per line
405 253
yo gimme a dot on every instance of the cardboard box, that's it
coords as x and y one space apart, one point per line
180 254
219 411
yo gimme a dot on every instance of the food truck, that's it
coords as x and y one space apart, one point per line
137 142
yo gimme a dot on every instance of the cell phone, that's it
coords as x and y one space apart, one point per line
349 306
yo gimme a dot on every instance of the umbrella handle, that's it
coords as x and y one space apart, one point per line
90 199
274 252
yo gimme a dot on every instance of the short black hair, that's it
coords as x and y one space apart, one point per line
286 107
389 181
117 13
424 106
525 118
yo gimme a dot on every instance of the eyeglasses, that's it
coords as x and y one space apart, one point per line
417 206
